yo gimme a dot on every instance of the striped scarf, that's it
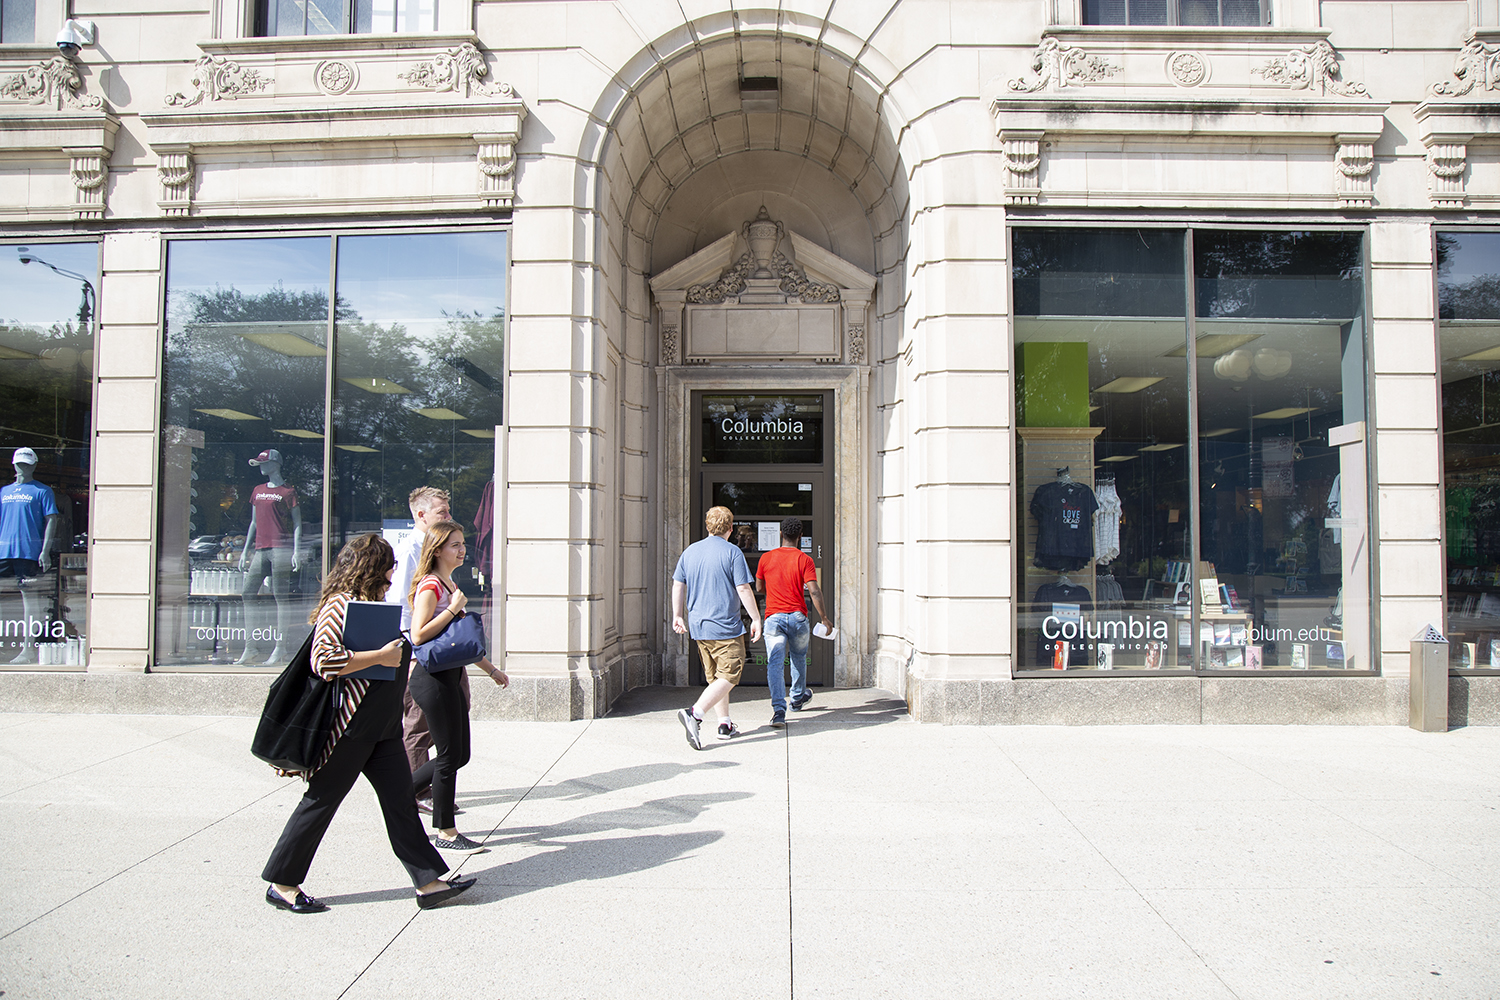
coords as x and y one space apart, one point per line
329 656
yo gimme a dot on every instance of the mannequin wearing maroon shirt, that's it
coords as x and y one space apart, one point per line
272 543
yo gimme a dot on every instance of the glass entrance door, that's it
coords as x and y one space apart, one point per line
761 498
764 456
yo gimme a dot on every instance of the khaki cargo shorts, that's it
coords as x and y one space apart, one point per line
722 658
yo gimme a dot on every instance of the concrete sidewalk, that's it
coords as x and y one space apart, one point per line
854 854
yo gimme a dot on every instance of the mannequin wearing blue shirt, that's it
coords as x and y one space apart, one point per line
28 528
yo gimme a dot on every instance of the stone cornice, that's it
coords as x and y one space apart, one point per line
1446 118
241 124
1316 121
32 129
333 45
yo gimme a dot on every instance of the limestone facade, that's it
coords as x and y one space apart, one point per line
617 143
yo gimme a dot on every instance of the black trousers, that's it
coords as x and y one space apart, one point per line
383 762
441 699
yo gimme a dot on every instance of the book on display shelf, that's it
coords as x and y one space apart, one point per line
1254 657
1299 656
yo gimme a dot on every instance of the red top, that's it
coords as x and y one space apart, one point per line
785 571
273 515
432 583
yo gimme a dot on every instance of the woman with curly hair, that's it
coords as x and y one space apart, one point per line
366 739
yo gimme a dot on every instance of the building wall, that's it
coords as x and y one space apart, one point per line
903 141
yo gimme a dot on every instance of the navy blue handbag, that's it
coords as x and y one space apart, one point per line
461 644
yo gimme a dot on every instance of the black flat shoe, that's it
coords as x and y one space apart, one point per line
427 901
304 903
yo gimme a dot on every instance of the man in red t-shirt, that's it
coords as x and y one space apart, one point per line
781 575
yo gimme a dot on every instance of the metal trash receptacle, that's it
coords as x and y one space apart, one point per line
1429 681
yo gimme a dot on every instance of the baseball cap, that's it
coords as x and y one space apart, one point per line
269 455
25 455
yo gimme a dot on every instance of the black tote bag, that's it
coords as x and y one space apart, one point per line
298 718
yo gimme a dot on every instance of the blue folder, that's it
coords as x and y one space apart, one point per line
370 625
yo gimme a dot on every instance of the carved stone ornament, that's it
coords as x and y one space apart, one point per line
1023 161
730 283
1356 165
1309 67
764 260
1447 161
335 77
1062 67
89 169
1478 65
174 170
497 168
856 344
669 345
54 83
795 282
459 71
1187 69
216 78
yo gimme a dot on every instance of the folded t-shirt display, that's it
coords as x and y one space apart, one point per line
1048 596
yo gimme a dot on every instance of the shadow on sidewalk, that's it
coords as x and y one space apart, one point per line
589 785
830 707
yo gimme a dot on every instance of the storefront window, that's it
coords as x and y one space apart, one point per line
1102 421
47 314
256 494
1281 448
1468 266
1122 569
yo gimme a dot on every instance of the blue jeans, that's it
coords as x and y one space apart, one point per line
784 631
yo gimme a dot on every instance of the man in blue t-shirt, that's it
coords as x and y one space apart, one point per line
711 583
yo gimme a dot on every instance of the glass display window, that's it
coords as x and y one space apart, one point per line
310 384
1281 405
48 315
1468 275
1189 408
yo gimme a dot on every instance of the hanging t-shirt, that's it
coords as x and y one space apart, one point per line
24 509
1107 524
273 515
1065 525
786 571
1047 595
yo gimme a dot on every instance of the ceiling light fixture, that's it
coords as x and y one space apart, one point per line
357 448
298 432
1120 458
1218 432
228 414
377 385
478 432
1129 383
1160 447
284 342
1488 354
439 413
1213 345
1285 413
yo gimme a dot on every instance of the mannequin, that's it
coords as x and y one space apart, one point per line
271 545
29 521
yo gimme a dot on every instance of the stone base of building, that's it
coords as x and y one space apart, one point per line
1320 701
1361 701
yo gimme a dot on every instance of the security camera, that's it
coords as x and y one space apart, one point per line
73 36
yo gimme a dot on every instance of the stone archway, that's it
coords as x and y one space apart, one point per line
794 115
